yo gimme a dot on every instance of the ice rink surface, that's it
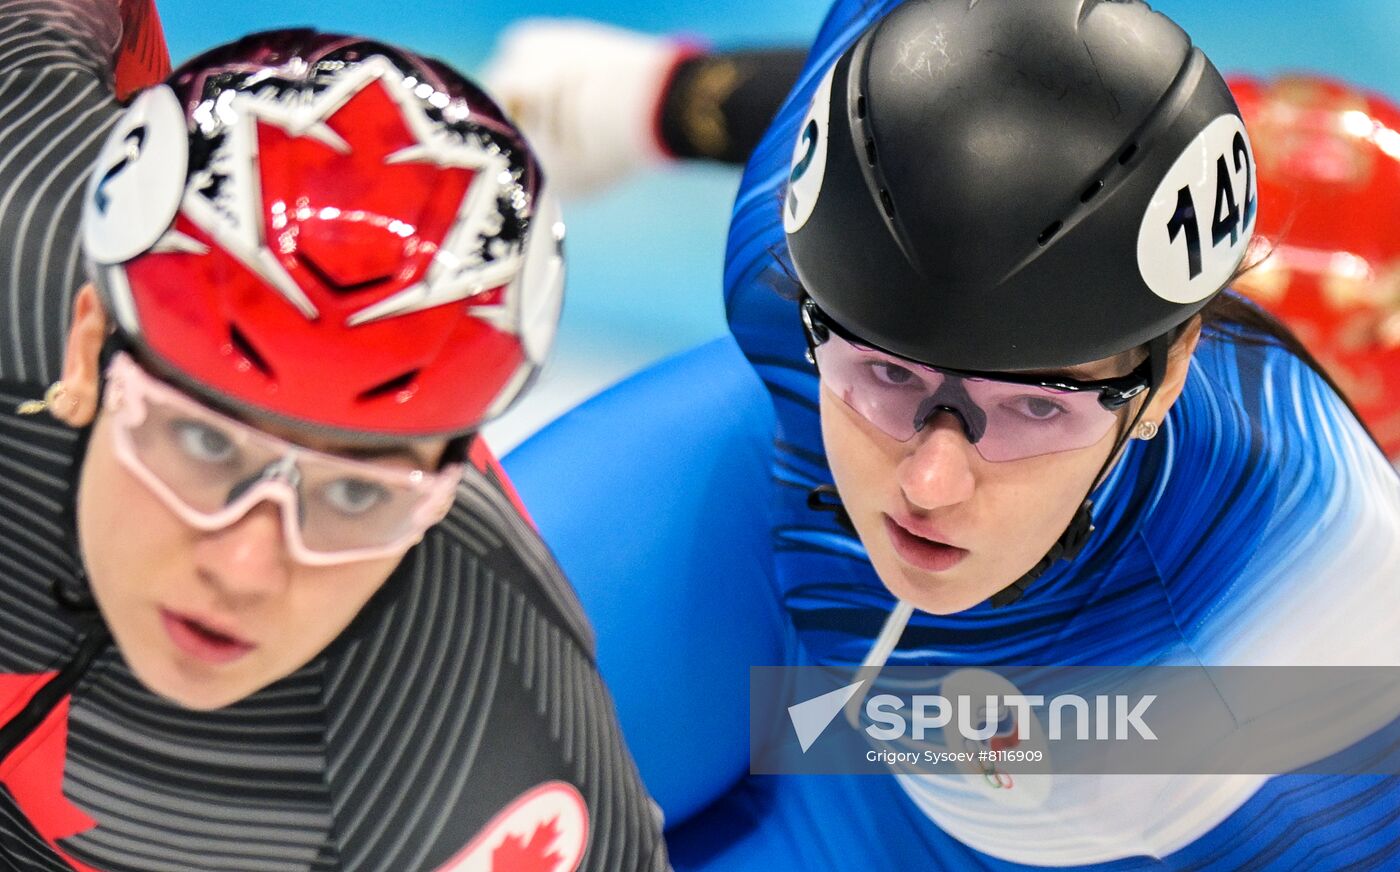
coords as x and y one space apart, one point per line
645 276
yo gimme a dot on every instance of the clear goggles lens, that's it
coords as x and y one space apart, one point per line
1004 420
211 469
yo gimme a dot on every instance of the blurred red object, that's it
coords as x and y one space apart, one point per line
142 58
1329 219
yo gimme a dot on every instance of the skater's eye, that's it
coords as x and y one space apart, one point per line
203 443
1035 407
887 373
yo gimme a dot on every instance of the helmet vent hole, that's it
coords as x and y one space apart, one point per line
245 348
887 203
392 386
1049 232
870 152
1127 154
860 106
338 286
1091 191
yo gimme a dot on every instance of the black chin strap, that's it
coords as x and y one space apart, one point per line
75 594
1071 542
1081 526
824 498
1067 547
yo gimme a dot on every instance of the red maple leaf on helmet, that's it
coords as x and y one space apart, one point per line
536 854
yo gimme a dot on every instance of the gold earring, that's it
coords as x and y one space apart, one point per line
56 391
1146 430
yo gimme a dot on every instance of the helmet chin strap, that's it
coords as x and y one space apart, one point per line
1076 535
75 594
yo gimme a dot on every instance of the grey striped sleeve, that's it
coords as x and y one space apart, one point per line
472 683
56 106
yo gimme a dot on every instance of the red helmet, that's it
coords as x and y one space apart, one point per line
329 230
1329 208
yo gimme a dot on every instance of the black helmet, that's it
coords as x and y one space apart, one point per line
1019 184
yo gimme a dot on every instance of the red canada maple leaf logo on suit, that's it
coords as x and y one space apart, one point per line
544 829
33 772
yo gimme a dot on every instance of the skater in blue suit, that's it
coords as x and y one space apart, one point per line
980 263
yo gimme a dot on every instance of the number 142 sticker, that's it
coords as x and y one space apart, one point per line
1199 223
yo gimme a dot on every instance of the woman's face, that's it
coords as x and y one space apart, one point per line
946 529
208 618
204 618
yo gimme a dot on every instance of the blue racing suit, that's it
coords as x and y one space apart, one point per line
1261 527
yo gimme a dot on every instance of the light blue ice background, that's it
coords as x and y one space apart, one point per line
644 274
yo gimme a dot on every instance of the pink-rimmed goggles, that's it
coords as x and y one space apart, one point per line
210 470
1005 416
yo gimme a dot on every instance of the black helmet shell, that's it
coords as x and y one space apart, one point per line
998 184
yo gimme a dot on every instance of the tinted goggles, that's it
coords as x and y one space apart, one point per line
210 469
1005 416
